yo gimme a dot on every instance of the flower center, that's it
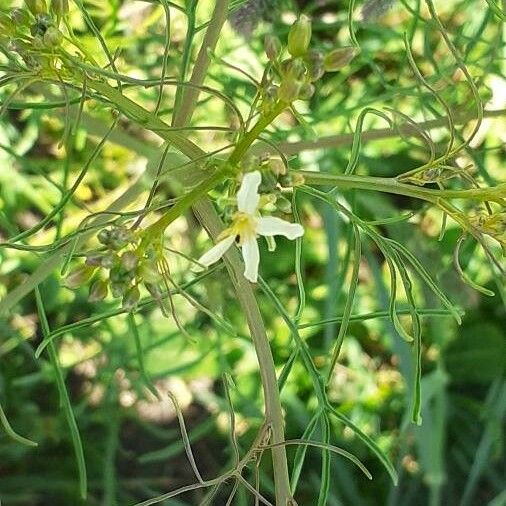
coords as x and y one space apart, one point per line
244 225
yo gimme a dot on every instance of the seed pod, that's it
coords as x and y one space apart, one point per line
129 260
306 91
79 276
289 90
131 299
98 290
299 36
339 58
36 6
53 37
272 47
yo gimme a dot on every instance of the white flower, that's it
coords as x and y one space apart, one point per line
247 225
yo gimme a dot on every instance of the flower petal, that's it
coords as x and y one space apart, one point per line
251 257
212 255
247 196
270 225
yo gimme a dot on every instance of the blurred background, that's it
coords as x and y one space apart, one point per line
132 443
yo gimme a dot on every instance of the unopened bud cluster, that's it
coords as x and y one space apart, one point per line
117 267
276 183
296 75
32 32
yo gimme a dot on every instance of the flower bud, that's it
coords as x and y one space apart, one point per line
314 63
53 37
38 42
104 236
59 8
98 290
154 290
306 91
299 36
120 237
118 289
277 166
79 276
149 272
129 260
272 47
295 69
289 90
131 299
36 6
339 58
20 17
284 205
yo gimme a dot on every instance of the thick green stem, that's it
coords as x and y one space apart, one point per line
391 185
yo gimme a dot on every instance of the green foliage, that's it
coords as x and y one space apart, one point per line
367 364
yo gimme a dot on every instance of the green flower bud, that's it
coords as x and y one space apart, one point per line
53 37
108 260
98 290
299 36
289 90
277 166
306 91
59 8
79 276
339 58
272 47
314 63
20 17
118 289
120 237
36 6
131 299
38 42
284 205
104 236
154 290
149 272
129 260
295 69
314 56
